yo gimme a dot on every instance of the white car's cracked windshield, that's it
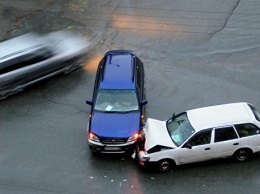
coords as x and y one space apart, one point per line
116 101
180 129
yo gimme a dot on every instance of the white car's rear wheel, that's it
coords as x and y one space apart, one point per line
242 154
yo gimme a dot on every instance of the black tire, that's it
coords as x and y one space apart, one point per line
165 165
242 155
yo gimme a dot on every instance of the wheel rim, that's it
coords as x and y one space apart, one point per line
165 165
242 155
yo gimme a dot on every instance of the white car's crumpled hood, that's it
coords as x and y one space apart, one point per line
157 134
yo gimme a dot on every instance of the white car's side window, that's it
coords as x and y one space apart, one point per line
201 138
247 129
225 133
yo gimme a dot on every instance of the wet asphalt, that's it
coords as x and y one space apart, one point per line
195 52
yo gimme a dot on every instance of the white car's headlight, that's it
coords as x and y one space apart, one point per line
145 158
93 137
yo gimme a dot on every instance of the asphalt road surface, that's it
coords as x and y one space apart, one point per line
196 53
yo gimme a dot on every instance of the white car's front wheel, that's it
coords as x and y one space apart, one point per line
166 165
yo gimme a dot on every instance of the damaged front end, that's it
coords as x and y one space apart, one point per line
144 156
154 140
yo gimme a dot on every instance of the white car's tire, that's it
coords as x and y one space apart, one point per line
166 165
242 155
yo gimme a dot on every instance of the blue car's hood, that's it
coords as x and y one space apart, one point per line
115 125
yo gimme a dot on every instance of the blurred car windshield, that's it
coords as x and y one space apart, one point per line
20 59
116 101
179 128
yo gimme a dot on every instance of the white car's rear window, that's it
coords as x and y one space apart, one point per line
255 111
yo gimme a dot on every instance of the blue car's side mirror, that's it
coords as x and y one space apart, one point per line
144 102
89 102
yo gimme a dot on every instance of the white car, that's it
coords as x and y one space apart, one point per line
228 130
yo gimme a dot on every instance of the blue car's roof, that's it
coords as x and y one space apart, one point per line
119 65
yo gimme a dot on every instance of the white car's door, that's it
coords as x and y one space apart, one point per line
226 142
200 149
195 154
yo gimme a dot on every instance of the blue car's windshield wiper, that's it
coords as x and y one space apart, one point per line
128 111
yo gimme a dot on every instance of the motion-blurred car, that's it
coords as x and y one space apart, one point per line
229 130
29 58
117 107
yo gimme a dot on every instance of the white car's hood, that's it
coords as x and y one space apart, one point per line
156 133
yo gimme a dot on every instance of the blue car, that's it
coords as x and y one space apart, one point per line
117 107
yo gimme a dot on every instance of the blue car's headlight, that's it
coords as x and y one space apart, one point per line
133 137
93 137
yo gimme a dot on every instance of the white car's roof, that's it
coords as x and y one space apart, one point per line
220 115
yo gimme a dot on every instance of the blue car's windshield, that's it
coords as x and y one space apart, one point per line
116 101
179 129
